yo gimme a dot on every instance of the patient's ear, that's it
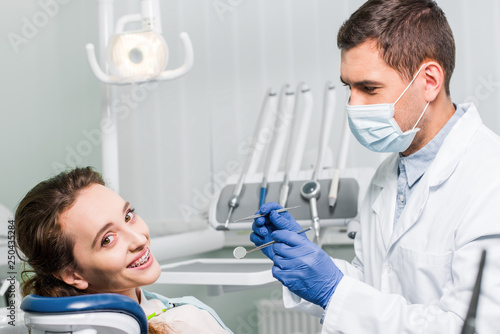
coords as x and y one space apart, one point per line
71 277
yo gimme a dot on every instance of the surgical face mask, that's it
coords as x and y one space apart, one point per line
375 128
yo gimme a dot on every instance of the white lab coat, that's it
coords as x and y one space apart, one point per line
416 276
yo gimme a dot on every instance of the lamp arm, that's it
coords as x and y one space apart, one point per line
126 19
188 61
96 69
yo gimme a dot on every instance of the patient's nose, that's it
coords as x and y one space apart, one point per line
137 241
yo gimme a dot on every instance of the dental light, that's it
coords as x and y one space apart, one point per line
139 56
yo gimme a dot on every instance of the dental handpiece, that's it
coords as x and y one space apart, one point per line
233 203
234 200
311 191
285 185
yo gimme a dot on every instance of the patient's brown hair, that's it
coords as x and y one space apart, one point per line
41 242
407 33
39 237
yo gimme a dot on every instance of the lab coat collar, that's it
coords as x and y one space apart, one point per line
455 145
439 171
384 204
452 149
387 172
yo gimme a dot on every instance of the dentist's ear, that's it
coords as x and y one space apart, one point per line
434 80
71 277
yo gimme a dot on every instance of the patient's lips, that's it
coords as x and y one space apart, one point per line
144 260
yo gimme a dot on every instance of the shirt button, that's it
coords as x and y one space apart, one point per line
401 198
402 162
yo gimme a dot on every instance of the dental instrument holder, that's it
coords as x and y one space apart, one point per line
225 275
351 184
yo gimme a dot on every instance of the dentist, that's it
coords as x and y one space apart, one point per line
431 207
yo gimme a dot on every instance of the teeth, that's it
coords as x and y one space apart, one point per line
142 260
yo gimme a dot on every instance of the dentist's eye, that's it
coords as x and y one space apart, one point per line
369 89
108 240
130 215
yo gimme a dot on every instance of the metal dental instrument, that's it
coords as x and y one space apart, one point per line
310 190
262 215
273 152
234 200
240 251
285 185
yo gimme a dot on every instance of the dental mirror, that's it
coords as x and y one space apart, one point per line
240 251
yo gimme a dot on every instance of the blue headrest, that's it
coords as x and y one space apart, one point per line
87 303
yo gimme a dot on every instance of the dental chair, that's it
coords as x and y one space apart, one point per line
87 314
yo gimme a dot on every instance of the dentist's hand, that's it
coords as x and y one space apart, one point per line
304 267
273 221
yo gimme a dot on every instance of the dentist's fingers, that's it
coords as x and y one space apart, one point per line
284 221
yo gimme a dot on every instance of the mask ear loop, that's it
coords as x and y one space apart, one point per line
422 114
408 87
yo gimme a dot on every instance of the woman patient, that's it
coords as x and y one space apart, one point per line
80 237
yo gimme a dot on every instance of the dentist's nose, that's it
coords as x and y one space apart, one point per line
355 99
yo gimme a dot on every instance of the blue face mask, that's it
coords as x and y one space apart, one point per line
375 128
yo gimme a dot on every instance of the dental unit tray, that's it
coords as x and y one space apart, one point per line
345 209
226 272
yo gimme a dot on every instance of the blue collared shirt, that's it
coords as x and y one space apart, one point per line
412 167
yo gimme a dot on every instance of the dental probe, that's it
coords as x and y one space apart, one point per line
285 185
311 190
240 251
262 215
234 200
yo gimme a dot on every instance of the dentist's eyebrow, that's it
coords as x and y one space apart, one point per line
108 225
362 83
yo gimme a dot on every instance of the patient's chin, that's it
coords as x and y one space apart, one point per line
155 271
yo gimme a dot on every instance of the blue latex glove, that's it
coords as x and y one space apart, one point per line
304 267
273 221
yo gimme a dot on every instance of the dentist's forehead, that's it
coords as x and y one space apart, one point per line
363 63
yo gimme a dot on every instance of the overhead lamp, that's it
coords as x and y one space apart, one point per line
139 56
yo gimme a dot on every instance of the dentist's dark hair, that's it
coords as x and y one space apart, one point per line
40 240
407 33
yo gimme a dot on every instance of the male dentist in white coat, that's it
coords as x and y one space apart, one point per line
432 206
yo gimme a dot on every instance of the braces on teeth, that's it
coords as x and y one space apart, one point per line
142 260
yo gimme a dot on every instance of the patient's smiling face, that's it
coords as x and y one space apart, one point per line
111 244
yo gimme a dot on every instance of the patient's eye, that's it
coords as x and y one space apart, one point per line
130 215
108 240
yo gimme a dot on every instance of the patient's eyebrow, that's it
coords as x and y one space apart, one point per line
108 225
101 231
